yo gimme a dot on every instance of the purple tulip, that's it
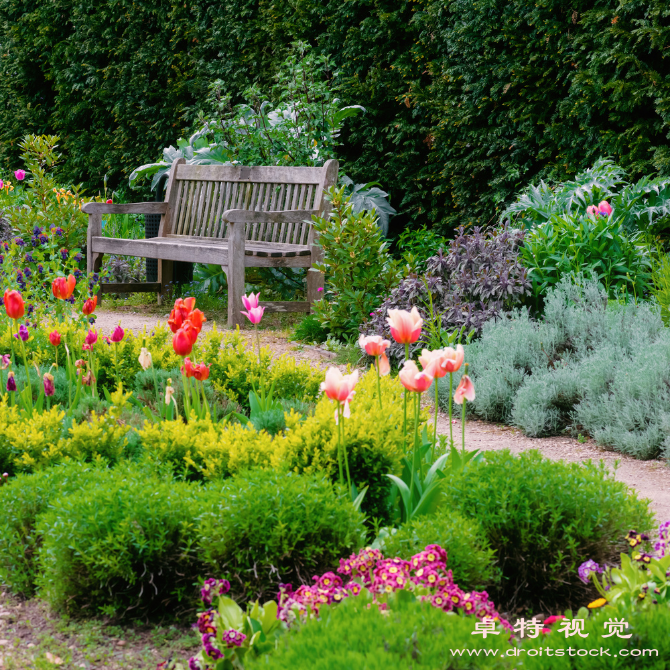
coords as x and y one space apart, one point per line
49 388
11 382
23 333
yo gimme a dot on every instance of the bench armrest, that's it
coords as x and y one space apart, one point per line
249 216
128 208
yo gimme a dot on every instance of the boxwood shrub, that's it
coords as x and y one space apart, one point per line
470 557
272 527
544 518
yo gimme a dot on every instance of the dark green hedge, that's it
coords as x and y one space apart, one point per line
467 100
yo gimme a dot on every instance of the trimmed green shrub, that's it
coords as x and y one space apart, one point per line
22 500
268 528
353 635
123 546
543 518
470 557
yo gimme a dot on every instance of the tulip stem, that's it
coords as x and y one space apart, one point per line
465 402
432 451
258 343
404 425
339 444
187 401
25 364
340 411
379 382
451 400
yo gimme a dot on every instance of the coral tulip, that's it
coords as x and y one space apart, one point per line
90 305
375 345
117 334
413 380
144 359
14 305
340 387
49 388
465 389
251 301
182 343
54 338
255 314
63 288
605 208
405 326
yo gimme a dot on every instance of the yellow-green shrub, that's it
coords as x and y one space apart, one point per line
203 449
373 436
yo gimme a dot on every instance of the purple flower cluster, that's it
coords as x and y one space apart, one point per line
662 545
587 568
214 587
425 574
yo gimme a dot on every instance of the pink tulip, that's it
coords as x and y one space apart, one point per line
465 389
251 301
1 183
413 380
440 362
117 334
605 208
405 326
255 314
20 175
91 337
375 345
592 210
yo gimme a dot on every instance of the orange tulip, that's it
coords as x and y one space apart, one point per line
405 326
201 372
413 380
63 288
14 304
181 343
182 310
89 305
197 318
465 389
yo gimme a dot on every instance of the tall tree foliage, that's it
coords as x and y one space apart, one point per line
467 101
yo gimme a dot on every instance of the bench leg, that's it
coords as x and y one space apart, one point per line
235 275
165 273
315 279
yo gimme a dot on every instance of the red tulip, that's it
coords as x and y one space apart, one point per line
63 288
181 343
89 305
190 330
54 338
197 318
188 368
14 304
181 311
201 372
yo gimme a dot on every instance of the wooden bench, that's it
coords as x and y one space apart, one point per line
231 216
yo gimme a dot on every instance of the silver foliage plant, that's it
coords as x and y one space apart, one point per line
477 279
589 366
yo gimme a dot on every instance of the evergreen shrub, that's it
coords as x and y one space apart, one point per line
23 500
469 555
542 518
123 546
271 527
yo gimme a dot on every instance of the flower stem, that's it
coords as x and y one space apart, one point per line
451 400
379 383
258 344
404 423
432 451
187 400
340 410
465 402
339 444
25 363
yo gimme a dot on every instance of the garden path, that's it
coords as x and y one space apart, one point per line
651 479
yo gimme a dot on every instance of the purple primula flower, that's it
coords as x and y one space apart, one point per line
40 268
19 241
210 649
78 258
23 333
29 258
213 587
586 569
43 239
37 230
28 272
233 638
193 664
59 232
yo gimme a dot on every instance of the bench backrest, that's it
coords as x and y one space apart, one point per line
199 195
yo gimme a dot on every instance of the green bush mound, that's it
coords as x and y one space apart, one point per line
543 518
354 635
125 545
23 500
417 635
588 366
470 557
269 527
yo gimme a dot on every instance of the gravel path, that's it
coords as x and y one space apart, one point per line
651 479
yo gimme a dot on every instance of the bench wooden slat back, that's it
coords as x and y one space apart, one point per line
205 192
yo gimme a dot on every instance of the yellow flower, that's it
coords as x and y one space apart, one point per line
597 603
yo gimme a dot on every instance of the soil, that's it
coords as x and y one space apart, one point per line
651 479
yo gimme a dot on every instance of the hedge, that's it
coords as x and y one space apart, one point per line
467 101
